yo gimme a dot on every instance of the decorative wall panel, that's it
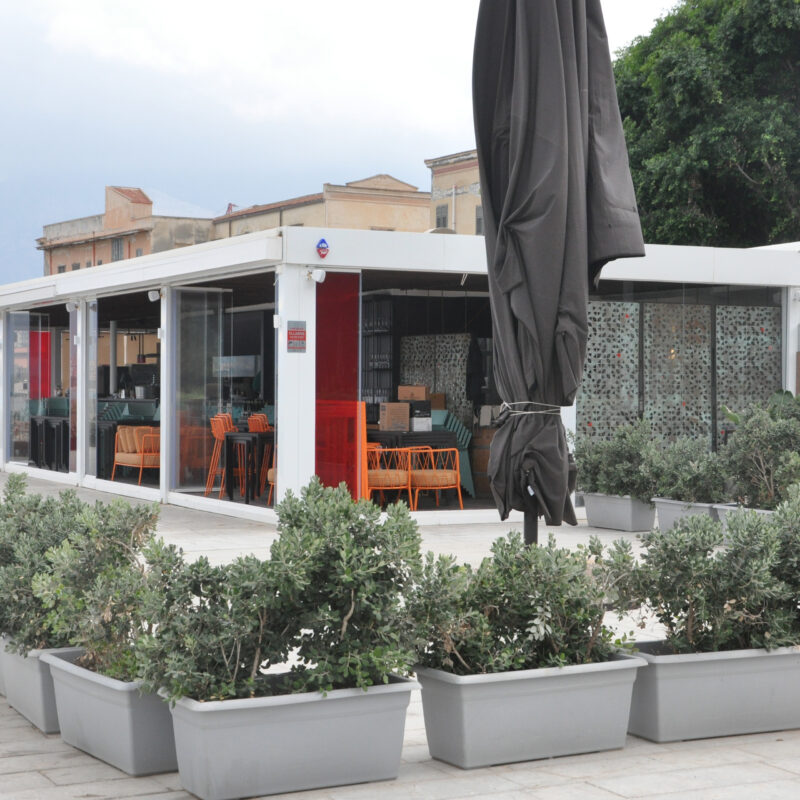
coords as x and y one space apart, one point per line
439 362
678 369
748 355
609 393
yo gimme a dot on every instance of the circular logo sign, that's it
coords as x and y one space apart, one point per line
322 248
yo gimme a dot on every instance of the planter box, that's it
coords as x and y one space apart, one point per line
618 513
715 694
268 745
479 720
29 686
724 509
110 719
670 511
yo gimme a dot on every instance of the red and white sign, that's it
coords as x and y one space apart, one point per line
296 336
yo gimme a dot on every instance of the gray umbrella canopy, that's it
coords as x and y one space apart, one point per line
558 203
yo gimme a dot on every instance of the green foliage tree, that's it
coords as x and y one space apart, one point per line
709 102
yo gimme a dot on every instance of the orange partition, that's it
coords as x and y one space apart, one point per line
340 417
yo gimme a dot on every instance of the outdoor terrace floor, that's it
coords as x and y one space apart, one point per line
757 767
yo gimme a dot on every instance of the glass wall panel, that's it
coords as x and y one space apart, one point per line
748 355
678 370
123 389
676 355
204 374
609 394
42 360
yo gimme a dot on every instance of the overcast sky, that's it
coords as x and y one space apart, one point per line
249 101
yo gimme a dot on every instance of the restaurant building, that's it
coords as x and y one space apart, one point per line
110 376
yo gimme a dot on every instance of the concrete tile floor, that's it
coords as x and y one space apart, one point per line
757 767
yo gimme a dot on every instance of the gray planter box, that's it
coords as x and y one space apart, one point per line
111 720
479 720
725 509
701 695
670 511
29 686
268 745
618 513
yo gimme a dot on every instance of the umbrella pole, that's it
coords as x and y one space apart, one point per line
531 528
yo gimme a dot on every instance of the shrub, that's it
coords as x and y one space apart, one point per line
93 584
786 521
355 628
29 526
622 465
761 454
326 611
522 608
712 598
215 627
685 470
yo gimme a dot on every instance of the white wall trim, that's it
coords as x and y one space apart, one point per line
223 507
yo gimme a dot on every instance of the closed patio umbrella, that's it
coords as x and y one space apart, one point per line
558 203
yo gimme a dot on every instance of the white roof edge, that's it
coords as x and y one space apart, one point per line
389 250
665 263
225 257
793 247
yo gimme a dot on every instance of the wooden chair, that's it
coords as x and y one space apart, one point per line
137 446
389 469
435 470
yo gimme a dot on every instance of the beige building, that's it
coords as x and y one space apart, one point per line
380 203
127 229
456 193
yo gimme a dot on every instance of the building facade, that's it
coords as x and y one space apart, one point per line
380 203
127 229
456 193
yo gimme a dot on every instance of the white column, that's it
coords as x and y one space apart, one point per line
167 401
6 376
791 337
296 302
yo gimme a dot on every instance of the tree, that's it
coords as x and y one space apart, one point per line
710 102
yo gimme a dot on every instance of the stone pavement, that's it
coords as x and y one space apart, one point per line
757 767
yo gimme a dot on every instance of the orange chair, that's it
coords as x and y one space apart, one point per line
272 474
435 470
258 423
389 469
214 468
137 446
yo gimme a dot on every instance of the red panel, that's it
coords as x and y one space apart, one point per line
338 304
338 424
39 361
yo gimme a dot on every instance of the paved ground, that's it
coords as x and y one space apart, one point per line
759 767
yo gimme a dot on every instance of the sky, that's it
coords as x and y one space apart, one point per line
245 102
